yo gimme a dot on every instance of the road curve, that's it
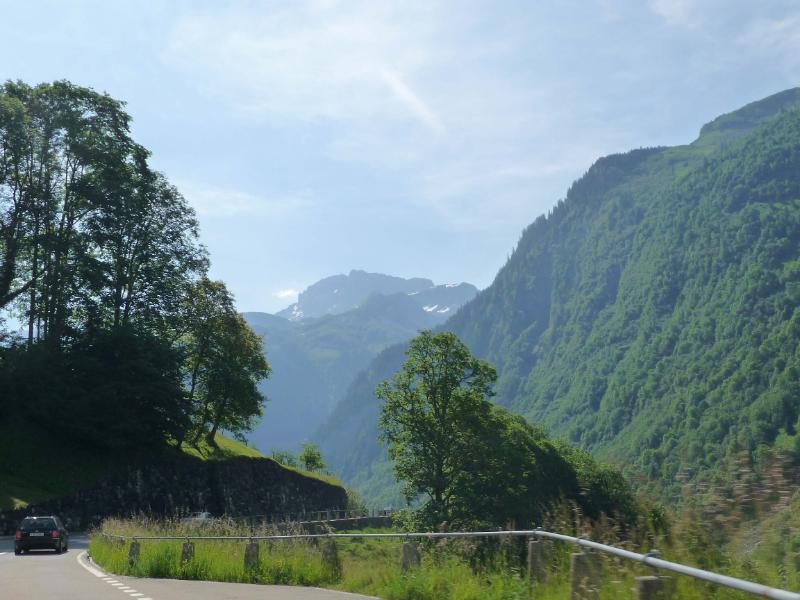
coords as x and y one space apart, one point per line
72 576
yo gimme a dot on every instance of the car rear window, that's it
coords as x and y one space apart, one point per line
34 524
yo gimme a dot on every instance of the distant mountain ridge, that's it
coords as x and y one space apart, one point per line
336 328
652 317
341 293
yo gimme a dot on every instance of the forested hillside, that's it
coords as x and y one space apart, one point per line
315 358
652 316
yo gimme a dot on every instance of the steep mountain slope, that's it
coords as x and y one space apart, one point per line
315 359
653 315
340 293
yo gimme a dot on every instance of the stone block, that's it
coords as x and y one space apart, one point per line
411 558
585 575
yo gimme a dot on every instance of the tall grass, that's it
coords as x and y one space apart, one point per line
450 569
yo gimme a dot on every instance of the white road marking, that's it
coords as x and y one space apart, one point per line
104 576
96 572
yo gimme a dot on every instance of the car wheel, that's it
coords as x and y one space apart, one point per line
17 552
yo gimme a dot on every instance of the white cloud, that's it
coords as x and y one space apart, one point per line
485 121
678 13
287 294
395 86
779 38
312 60
414 103
212 201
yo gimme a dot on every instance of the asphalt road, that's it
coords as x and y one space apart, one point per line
72 576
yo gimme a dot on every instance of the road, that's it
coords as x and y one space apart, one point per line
72 576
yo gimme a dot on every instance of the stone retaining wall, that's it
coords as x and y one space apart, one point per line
183 484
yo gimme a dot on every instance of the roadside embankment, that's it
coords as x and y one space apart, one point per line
178 484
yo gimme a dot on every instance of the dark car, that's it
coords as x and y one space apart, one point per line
41 532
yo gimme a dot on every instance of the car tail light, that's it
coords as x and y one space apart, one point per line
18 535
55 533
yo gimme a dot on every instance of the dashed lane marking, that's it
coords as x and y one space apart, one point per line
104 577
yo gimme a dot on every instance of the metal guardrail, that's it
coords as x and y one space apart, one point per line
318 515
650 559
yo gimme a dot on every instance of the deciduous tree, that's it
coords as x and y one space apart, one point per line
433 408
225 362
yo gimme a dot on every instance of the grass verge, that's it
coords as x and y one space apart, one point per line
457 570
229 448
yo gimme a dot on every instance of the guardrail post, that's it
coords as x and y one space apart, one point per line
411 557
536 571
133 552
653 587
330 559
251 555
584 576
187 553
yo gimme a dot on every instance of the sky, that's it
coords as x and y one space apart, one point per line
414 138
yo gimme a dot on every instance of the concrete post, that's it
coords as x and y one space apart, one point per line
251 555
536 567
330 559
187 553
133 552
653 587
411 557
584 576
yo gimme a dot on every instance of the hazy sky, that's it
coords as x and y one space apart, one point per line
409 138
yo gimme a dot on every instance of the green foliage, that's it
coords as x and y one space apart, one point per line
311 458
315 359
115 390
225 362
434 408
354 500
285 457
472 464
652 317
99 258
90 235
462 569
